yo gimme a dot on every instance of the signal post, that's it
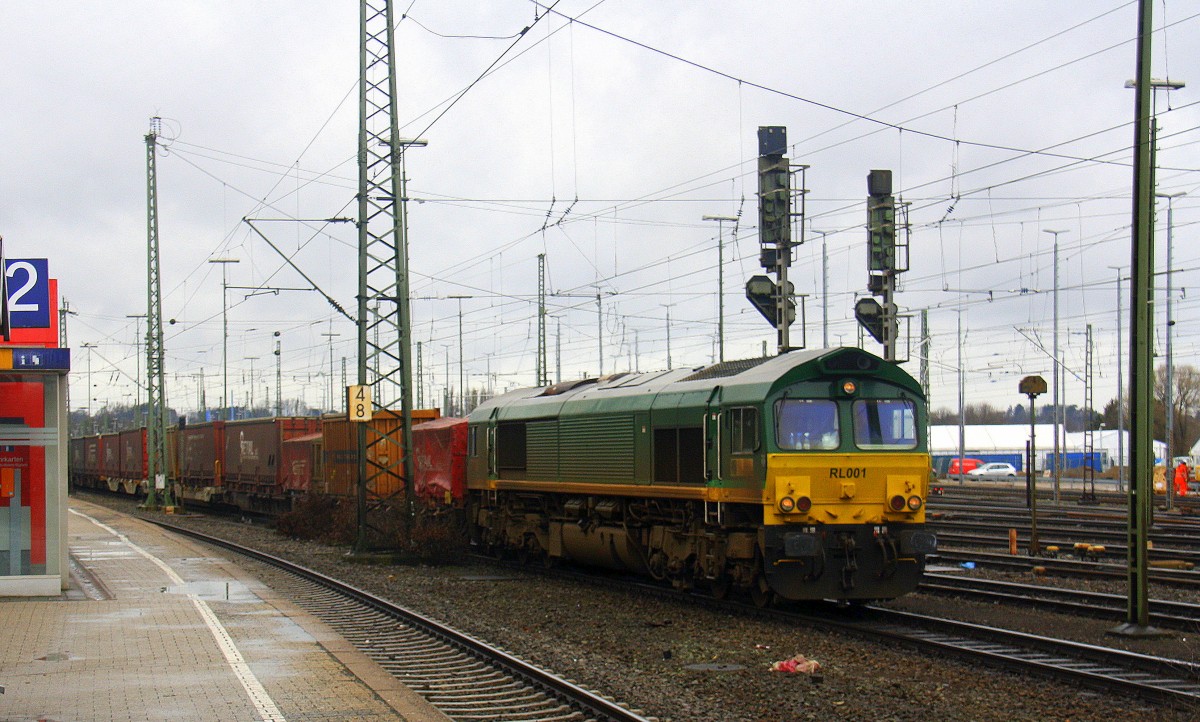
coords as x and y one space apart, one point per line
885 259
774 299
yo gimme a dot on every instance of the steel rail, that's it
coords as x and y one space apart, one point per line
1072 567
1159 679
1164 613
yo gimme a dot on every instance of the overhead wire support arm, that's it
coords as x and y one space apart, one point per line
263 290
332 301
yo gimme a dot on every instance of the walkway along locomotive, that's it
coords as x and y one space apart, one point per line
802 475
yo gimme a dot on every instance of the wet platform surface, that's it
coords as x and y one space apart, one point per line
156 627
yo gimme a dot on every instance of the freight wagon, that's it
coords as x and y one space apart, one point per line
253 473
262 465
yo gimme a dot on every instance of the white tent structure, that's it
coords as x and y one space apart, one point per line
993 441
1110 440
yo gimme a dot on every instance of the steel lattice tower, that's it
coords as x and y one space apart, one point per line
384 343
156 424
543 370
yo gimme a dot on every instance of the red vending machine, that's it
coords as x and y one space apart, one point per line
33 434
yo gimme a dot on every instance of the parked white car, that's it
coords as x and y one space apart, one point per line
995 468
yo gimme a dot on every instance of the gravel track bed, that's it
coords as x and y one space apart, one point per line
637 649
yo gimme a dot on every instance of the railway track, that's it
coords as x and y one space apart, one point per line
1156 679
1163 613
1066 567
463 677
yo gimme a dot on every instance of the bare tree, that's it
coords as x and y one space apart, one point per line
1185 402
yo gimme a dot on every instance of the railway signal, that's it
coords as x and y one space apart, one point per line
774 300
885 259
870 315
1032 386
762 293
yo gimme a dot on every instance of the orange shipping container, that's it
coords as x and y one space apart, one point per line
341 453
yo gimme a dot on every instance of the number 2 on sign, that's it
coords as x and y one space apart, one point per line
359 402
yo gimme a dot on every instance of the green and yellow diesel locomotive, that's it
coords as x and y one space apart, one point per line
802 475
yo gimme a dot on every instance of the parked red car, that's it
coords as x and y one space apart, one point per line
967 466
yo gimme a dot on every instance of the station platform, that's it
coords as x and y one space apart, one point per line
156 627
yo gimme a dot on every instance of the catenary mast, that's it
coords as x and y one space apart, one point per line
384 354
159 493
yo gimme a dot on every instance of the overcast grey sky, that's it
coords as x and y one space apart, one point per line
999 120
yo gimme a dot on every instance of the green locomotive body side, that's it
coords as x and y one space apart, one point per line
686 474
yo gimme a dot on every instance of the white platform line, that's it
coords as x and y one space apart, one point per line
267 709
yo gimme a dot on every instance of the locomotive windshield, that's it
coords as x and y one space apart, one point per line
885 424
803 424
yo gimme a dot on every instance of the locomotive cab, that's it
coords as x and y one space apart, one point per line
846 484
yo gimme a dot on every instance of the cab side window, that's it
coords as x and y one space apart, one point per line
743 430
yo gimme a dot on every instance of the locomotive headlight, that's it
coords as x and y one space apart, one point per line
897 503
803 504
787 504
914 503
849 388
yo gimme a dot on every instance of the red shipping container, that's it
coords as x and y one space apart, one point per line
133 455
252 472
440 460
200 450
78 456
298 460
91 457
110 456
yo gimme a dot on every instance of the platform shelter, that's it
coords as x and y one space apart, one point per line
33 434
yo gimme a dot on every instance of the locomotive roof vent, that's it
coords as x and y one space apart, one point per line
727 368
851 359
565 386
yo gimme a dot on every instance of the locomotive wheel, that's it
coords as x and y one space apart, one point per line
720 587
761 594
531 551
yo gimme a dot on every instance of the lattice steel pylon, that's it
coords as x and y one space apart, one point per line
1089 438
156 423
384 339
543 371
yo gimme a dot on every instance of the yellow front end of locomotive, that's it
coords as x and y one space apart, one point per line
875 488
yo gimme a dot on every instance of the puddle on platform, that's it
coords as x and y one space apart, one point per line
56 657
215 591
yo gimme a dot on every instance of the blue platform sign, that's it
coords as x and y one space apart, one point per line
41 359
28 292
